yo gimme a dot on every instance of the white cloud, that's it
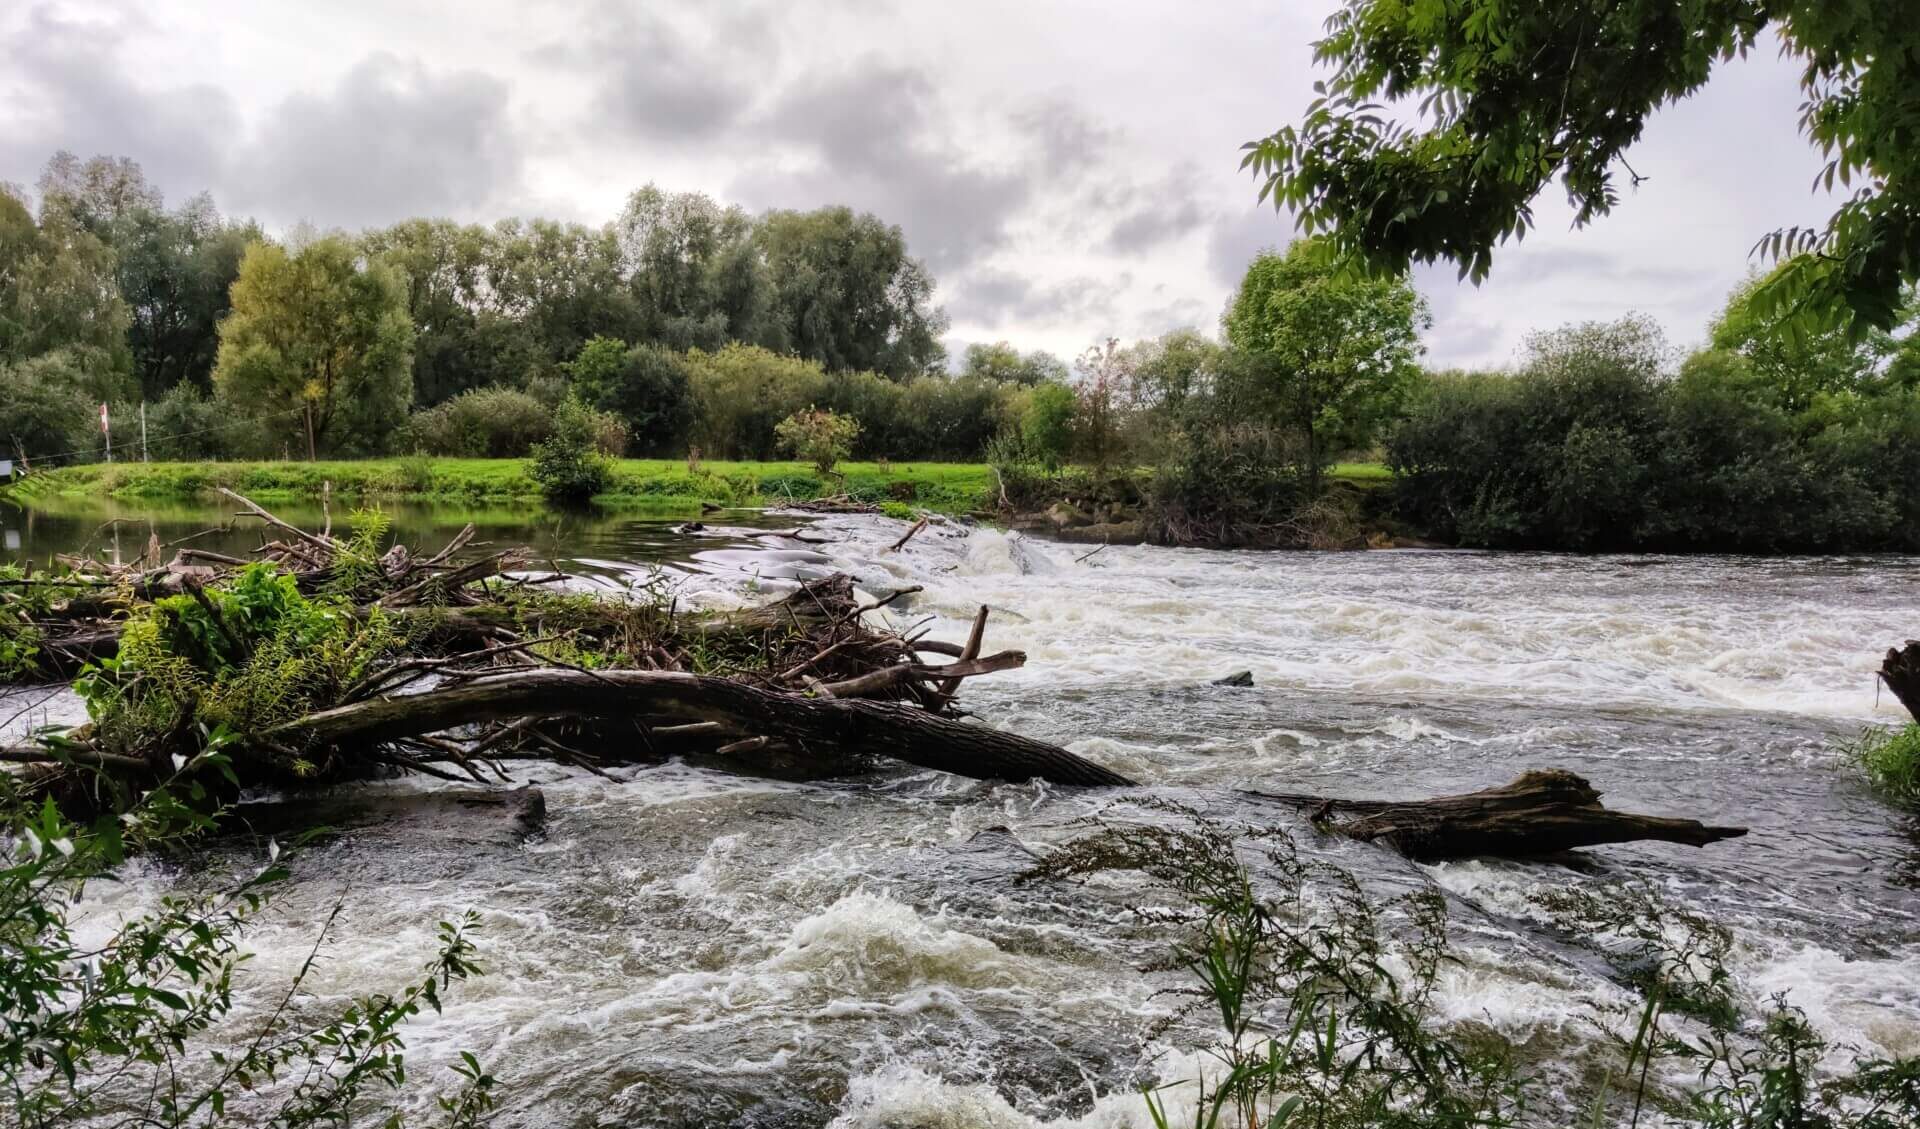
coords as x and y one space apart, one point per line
1068 172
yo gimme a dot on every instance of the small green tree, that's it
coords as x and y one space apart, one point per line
1341 349
1046 427
322 335
821 437
647 386
569 466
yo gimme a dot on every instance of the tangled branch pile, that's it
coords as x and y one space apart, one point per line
329 658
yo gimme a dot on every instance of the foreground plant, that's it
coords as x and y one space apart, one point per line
1295 964
125 1032
1891 760
1320 1002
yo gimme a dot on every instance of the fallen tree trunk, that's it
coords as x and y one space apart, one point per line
1541 813
854 726
1900 670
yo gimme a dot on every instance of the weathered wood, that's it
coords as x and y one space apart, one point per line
847 726
1900 670
1541 813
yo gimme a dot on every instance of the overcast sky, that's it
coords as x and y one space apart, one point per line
1069 170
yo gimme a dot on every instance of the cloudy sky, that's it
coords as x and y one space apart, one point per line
1068 169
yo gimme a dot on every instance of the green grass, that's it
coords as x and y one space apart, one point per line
638 483
1891 760
1361 472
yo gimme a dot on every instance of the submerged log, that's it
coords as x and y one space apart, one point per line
1900 670
1543 812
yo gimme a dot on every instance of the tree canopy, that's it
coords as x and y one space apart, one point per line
1507 97
321 334
1340 350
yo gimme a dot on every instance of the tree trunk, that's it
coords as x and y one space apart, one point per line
1543 812
1900 670
842 725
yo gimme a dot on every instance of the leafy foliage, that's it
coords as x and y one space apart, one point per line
821 437
481 423
126 1027
1591 447
568 465
318 340
1507 97
1891 760
1337 350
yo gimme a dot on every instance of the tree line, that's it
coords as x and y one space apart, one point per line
323 343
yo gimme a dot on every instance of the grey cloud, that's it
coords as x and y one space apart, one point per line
1068 140
1153 214
1237 237
657 84
991 297
392 140
69 90
872 138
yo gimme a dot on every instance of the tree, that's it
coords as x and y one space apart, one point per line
569 465
696 279
173 268
849 295
646 386
564 284
1340 349
57 293
1511 96
464 338
1046 427
322 334
1105 375
819 436
1791 367
1003 363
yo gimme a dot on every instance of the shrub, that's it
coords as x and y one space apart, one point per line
495 423
1046 427
569 466
1891 759
647 387
186 425
820 437
43 411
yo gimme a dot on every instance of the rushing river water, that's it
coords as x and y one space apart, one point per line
688 947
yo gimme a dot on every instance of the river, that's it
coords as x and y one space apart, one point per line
685 946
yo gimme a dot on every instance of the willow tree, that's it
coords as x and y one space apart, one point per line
320 334
1508 97
1337 350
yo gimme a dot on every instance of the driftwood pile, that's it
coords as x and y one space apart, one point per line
808 684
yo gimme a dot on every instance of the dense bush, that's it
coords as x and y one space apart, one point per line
646 386
569 465
820 437
42 412
1590 447
186 424
484 422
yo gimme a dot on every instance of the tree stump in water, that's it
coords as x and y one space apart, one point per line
1900 670
1541 813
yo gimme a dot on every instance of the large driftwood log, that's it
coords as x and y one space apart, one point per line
1900 670
1541 813
845 725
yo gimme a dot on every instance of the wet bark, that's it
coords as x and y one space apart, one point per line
1900 670
1542 812
840 726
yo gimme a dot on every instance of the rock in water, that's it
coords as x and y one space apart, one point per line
1237 678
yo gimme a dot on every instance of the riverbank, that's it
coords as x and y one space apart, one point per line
665 484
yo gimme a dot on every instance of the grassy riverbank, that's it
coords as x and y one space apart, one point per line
663 483
637 483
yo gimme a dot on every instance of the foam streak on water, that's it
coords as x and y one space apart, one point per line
686 947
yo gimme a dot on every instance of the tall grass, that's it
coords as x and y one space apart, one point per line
1891 760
